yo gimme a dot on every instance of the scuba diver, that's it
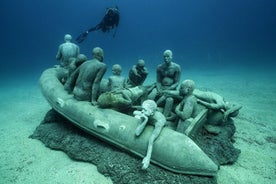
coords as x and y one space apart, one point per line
109 21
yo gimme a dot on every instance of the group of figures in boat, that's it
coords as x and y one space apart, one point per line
166 102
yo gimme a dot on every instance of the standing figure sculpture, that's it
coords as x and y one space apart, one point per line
168 76
66 51
149 114
85 80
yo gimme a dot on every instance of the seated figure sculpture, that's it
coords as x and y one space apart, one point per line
137 74
219 110
168 76
188 108
149 114
116 81
85 81
75 63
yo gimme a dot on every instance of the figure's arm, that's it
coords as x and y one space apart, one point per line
126 97
145 71
144 120
134 70
70 83
176 77
187 111
172 93
234 110
96 84
214 106
59 55
158 79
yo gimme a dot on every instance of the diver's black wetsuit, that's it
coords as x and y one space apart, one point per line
109 21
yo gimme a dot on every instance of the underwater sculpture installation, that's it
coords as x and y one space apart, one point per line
172 150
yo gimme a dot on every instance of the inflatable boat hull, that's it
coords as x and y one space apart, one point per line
172 150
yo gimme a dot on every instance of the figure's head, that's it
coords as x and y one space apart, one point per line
141 63
167 56
149 107
81 57
98 53
116 69
67 38
187 87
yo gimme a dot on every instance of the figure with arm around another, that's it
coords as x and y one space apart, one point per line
219 109
149 114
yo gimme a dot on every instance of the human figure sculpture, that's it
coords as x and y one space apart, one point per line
219 109
188 108
149 114
85 80
66 51
137 74
123 99
75 63
168 76
116 81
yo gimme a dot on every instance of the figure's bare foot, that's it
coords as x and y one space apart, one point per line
145 163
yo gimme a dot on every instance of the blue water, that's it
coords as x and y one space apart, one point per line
203 34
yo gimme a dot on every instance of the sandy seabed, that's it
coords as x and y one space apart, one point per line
25 160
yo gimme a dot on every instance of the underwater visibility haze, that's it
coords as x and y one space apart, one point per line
201 34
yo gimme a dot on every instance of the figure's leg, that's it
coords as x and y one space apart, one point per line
168 107
152 94
182 125
154 135
161 100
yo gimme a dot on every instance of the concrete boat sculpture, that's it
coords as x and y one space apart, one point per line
172 150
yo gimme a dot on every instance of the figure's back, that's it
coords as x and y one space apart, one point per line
116 82
68 50
88 73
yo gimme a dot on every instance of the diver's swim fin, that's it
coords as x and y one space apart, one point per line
82 37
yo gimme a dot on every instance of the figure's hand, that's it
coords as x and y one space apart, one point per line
140 115
94 103
136 73
137 113
225 116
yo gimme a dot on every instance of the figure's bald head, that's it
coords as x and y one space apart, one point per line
141 63
98 53
67 38
167 56
187 87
